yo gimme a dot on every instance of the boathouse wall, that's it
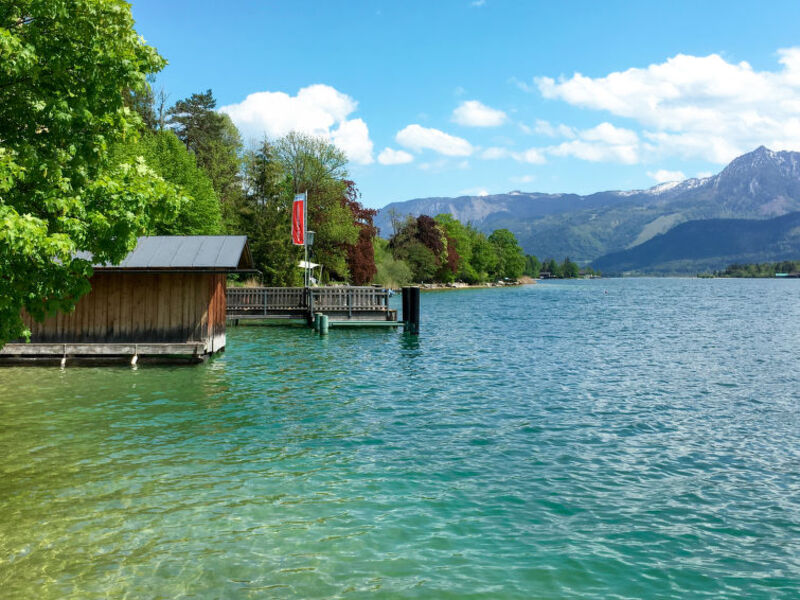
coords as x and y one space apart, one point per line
124 307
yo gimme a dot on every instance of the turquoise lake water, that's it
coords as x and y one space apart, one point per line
629 438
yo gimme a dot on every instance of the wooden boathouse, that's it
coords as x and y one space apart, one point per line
165 300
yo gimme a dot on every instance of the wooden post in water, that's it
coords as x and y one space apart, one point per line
323 324
411 309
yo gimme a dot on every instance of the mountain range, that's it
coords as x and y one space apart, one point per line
619 230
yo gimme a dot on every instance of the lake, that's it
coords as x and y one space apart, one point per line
622 438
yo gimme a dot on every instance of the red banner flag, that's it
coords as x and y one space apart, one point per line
298 220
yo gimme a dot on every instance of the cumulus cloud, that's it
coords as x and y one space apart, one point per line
546 128
318 109
603 143
418 138
389 156
495 153
664 176
472 113
697 106
533 156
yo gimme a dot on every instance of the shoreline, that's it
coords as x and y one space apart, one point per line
433 287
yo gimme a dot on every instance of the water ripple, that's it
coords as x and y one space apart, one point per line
552 441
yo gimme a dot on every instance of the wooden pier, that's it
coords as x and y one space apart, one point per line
346 305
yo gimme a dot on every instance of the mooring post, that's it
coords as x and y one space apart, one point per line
414 306
323 324
411 309
317 319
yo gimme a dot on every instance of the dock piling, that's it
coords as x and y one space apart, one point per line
411 309
323 324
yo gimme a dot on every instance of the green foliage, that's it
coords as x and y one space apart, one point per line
163 152
443 249
532 266
510 257
552 268
216 143
343 241
390 272
64 67
316 166
264 215
569 269
760 270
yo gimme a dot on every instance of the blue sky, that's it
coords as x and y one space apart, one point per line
450 98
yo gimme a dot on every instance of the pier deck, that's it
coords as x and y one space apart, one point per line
346 305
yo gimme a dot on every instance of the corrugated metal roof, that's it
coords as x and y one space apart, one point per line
200 252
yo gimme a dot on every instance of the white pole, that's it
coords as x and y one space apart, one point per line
305 238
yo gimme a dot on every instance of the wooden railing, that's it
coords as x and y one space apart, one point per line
286 301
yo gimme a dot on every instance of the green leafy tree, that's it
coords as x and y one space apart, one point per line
532 266
163 152
64 68
510 257
264 215
390 272
569 269
552 267
316 166
215 141
422 261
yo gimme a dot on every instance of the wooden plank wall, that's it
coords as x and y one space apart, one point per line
141 307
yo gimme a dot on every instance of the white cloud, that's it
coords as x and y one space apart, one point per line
472 113
704 174
602 143
418 138
316 110
596 152
664 176
478 2
533 156
353 137
697 106
388 156
546 128
495 153
607 133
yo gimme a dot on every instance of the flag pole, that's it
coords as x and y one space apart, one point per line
305 238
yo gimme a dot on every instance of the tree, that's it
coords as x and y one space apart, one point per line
361 255
390 272
163 152
264 214
215 141
510 257
64 68
569 269
316 166
552 267
532 266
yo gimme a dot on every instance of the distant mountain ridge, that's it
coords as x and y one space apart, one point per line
758 185
709 245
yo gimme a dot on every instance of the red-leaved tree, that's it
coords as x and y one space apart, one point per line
361 255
